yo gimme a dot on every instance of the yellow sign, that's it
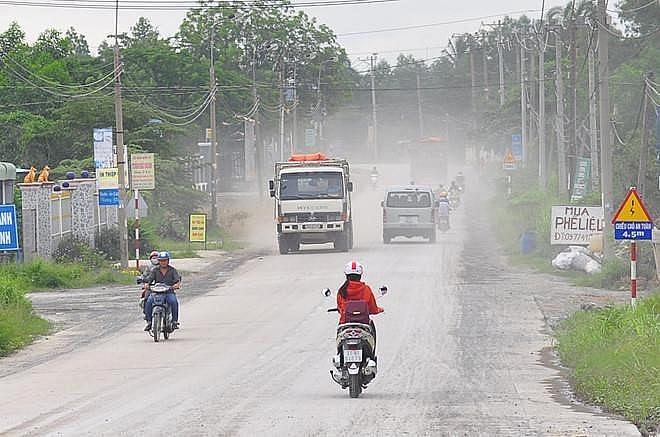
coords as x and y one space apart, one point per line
198 228
107 177
509 161
632 209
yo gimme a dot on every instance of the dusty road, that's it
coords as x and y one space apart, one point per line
462 351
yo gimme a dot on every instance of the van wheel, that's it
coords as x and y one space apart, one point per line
386 239
432 236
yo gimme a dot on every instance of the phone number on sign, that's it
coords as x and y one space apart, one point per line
571 237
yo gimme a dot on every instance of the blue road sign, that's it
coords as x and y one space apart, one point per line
108 196
633 230
8 228
516 146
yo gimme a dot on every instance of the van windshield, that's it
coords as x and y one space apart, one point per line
311 185
408 199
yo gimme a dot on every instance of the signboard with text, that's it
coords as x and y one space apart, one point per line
576 224
198 228
632 221
8 228
143 174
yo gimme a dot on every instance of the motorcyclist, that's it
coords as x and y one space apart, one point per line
354 289
374 177
168 275
460 179
142 279
443 206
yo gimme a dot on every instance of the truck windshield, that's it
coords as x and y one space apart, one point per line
408 199
311 185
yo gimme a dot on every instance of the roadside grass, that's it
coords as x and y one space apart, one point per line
613 354
18 322
614 357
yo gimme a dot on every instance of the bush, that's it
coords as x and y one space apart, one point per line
107 242
73 250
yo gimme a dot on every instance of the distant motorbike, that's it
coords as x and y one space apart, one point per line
161 314
443 223
374 181
355 362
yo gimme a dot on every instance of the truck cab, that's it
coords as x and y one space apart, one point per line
312 203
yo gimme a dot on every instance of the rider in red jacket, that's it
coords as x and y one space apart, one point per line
354 289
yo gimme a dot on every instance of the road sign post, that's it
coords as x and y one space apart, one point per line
633 222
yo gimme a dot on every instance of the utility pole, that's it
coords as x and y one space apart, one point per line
473 78
121 151
420 115
484 57
644 141
605 140
523 104
561 141
257 134
501 62
294 128
593 126
373 105
282 113
572 143
543 176
214 143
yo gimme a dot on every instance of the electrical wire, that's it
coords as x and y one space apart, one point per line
55 93
637 9
177 5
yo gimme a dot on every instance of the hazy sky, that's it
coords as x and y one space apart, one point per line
438 18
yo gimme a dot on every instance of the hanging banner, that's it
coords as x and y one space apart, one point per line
104 156
582 178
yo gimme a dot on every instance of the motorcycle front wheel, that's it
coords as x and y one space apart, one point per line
157 326
354 386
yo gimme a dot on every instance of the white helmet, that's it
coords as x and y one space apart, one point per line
353 268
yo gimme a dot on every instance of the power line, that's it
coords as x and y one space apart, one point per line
176 5
444 23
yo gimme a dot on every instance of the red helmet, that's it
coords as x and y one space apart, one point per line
153 254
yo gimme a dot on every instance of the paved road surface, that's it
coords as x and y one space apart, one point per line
462 347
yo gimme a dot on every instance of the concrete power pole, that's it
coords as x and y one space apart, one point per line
501 62
121 152
374 119
593 125
561 140
523 104
420 115
259 152
644 141
543 165
607 179
214 143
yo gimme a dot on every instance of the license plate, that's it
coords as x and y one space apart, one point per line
313 226
352 355
408 219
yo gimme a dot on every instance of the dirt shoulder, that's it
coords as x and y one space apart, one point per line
83 316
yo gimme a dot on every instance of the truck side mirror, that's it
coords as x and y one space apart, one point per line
271 188
349 186
382 204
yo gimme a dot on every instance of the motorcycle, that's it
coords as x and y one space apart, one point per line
355 363
374 181
443 223
161 314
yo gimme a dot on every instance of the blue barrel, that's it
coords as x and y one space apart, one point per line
527 242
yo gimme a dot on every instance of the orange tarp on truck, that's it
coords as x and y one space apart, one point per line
308 157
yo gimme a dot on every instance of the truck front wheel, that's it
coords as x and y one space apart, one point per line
283 244
342 241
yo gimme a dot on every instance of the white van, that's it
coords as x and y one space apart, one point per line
409 211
